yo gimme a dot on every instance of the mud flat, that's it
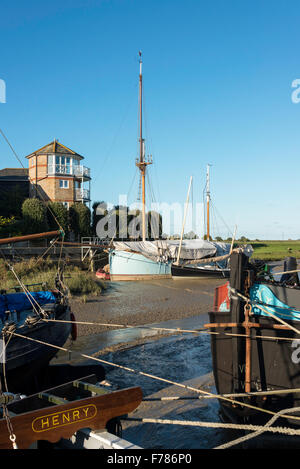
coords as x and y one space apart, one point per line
138 303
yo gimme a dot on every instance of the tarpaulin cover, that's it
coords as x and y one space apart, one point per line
191 249
20 301
263 295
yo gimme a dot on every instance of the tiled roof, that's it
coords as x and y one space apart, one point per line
54 147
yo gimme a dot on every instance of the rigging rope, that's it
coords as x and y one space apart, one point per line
191 388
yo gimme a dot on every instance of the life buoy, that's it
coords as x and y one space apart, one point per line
73 327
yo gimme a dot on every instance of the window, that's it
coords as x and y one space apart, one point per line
63 164
64 183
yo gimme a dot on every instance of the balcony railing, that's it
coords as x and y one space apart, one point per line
68 170
82 194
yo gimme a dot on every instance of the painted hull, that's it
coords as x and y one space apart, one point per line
178 271
25 359
274 348
126 266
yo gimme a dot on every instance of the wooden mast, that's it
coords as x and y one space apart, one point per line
141 162
207 203
18 239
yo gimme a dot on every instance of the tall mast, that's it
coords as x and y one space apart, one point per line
207 202
141 163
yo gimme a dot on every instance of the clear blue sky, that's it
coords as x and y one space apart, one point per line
218 84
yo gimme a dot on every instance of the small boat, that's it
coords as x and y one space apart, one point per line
212 258
255 325
32 324
102 274
82 414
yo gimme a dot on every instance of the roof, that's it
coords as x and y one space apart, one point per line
54 147
20 174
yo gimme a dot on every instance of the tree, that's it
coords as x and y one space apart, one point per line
154 224
57 211
99 210
11 200
34 216
80 219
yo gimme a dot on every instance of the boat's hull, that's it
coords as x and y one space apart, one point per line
270 360
126 266
187 271
26 356
275 365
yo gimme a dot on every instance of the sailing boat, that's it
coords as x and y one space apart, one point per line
199 267
29 321
140 260
32 324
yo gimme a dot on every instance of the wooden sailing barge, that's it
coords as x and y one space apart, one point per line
255 342
28 322
126 264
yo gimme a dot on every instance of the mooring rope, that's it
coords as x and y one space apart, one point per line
231 426
131 370
171 330
265 428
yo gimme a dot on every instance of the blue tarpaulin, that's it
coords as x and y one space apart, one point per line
263 295
20 301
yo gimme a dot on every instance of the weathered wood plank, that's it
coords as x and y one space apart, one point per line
62 421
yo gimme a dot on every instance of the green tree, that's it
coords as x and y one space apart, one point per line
57 211
99 210
154 220
80 219
11 200
34 216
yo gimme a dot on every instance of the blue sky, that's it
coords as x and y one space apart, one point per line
218 86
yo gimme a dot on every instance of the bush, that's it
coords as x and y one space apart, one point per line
60 212
80 219
34 216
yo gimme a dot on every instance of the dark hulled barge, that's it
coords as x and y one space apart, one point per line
255 342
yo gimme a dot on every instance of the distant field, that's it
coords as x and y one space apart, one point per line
275 250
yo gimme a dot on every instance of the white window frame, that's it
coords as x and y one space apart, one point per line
64 183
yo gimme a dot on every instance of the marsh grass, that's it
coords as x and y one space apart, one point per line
35 272
275 250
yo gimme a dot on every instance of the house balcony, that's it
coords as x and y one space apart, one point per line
82 195
78 171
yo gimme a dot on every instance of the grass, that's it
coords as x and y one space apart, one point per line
80 283
275 250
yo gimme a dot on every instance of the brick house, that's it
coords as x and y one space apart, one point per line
56 173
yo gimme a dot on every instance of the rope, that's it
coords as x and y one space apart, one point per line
177 330
231 426
276 318
265 428
201 391
5 413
